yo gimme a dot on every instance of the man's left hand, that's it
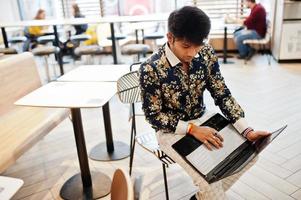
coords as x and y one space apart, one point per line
255 135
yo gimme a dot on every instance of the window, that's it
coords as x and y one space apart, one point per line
29 8
220 8
89 8
92 8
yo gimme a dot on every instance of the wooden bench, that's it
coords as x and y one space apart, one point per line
21 127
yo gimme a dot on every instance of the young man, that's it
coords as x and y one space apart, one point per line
256 29
172 83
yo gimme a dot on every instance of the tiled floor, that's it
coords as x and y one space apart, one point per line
270 96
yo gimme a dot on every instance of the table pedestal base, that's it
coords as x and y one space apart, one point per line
100 153
73 188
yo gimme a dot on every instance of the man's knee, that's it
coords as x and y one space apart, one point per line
240 39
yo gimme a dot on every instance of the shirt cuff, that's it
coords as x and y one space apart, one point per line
241 125
181 128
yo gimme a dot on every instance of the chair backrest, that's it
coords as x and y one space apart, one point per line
135 66
268 32
121 188
18 77
128 88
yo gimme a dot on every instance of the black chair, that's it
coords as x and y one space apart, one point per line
129 93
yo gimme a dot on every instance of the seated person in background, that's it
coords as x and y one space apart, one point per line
38 30
81 28
69 46
91 31
33 32
256 29
172 83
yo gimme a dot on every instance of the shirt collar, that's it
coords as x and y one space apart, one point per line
172 58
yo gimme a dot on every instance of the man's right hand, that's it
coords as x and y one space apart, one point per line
208 136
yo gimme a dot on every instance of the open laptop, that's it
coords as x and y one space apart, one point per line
236 153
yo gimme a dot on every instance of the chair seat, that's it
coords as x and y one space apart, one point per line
80 38
260 41
45 39
149 142
89 50
17 39
44 50
135 49
8 51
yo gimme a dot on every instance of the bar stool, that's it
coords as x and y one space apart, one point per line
136 49
76 41
45 52
18 41
154 37
8 50
91 50
118 50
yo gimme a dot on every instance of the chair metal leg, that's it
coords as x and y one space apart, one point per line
132 157
133 136
47 68
54 70
93 57
165 181
267 54
269 58
91 60
261 47
132 149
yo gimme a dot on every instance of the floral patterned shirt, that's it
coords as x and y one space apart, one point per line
171 97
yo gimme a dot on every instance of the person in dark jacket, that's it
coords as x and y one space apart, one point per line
81 28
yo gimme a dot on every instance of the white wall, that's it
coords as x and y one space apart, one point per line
9 11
